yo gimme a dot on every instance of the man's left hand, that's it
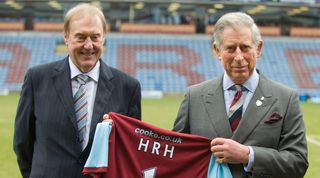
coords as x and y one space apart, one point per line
229 151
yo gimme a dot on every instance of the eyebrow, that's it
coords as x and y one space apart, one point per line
86 34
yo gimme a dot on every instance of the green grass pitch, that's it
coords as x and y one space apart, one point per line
160 112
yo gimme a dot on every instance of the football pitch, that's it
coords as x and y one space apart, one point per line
160 112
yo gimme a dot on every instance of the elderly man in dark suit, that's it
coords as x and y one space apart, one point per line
62 102
256 124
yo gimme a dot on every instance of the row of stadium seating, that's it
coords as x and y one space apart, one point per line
167 63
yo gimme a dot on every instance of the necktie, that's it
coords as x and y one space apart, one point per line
235 110
81 109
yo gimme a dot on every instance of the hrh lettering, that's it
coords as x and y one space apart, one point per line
154 148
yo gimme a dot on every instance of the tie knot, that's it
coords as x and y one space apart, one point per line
238 88
82 79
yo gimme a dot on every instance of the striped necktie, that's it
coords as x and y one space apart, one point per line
235 109
81 109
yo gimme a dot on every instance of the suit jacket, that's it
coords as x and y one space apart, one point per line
273 126
45 136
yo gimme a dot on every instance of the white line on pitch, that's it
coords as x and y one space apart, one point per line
314 141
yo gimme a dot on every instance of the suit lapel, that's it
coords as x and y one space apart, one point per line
104 90
215 107
62 83
255 112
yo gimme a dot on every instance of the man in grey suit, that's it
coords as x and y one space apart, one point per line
269 138
48 139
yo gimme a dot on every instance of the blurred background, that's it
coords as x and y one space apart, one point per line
280 13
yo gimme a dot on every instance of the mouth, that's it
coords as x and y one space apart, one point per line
88 54
240 68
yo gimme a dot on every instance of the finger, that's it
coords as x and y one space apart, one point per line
217 141
219 154
217 148
106 118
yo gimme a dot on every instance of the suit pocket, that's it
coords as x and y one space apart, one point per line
270 125
267 135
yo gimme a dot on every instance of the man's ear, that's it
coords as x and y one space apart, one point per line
66 38
103 39
259 48
216 50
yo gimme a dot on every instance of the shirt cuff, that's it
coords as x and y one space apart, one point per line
249 166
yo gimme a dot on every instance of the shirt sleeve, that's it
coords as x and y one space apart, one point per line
249 166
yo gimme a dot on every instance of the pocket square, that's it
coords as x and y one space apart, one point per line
275 117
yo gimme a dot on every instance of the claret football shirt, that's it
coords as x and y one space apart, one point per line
129 148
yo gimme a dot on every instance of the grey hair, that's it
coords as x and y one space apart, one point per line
235 20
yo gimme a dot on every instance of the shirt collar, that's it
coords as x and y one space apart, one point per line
93 74
251 84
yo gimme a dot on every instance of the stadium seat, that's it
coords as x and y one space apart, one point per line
168 63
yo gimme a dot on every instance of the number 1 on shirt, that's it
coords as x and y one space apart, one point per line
149 173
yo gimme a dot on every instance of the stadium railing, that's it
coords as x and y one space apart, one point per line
48 26
304 32
264 30
51 26
157 28
12 26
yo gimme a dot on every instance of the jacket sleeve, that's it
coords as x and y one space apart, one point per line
181 123
135 103
24 128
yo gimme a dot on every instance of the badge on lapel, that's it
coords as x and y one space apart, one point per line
259 102
275 117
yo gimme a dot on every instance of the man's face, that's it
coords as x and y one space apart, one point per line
238 53
85 41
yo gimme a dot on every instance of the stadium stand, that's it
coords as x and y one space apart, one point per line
51 26
48 26
157 28
11 24
165 62
264 30
270 30
305 31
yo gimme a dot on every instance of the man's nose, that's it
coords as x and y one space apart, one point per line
88 43
238 54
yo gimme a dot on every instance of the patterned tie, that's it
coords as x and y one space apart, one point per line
235 110
81 108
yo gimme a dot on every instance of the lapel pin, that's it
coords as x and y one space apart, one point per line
258 103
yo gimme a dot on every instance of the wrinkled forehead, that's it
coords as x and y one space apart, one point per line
86 23
236 35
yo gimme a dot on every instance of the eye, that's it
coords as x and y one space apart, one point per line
245 47
230 49
80 38
95 38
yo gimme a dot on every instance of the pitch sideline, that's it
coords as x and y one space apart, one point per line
312 140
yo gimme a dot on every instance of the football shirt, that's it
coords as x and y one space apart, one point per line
129 148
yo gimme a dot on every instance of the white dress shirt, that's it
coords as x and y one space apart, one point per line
91 89
251 85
